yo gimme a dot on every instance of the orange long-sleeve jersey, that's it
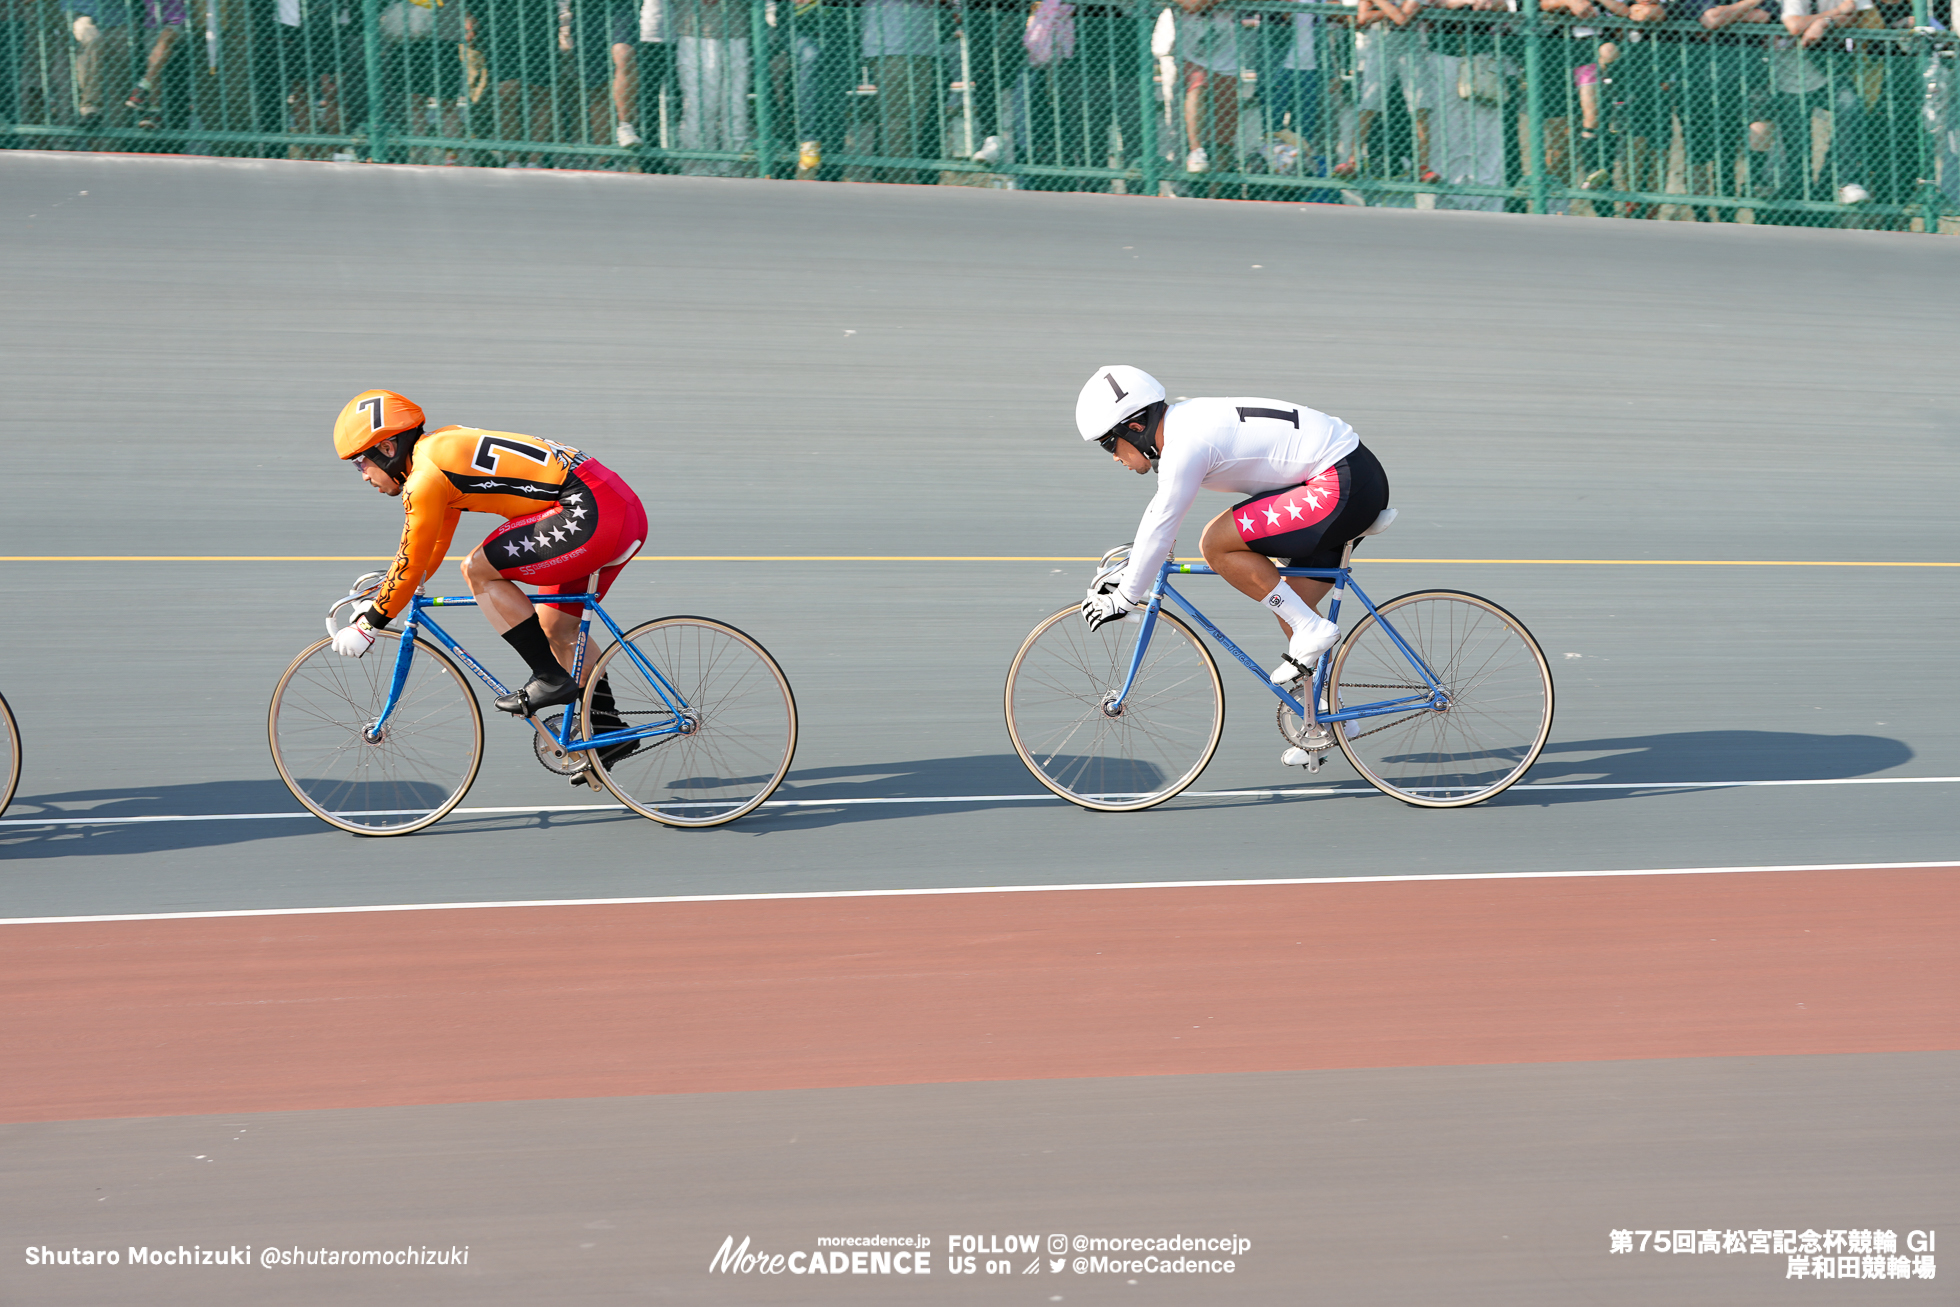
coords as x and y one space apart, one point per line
455 470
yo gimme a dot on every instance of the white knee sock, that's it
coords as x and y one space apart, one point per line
1290 607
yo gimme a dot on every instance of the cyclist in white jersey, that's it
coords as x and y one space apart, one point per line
1311 487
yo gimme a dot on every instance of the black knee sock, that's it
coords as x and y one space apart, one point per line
528 638
605 713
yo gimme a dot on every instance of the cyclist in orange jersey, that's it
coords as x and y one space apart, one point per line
571 525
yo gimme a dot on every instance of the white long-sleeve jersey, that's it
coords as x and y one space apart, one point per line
1239 444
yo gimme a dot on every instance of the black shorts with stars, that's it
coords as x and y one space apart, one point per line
521 545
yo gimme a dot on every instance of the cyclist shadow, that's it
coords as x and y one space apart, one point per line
204 799
1691 758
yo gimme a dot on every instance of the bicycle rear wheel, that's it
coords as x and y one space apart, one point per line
1158 741
738 725
419 766
1500 699
9 755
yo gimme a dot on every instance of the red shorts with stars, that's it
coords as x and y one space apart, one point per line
1311 523
580 543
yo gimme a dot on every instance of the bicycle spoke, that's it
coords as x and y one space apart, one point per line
1496 683
1166 730
740 720
419 768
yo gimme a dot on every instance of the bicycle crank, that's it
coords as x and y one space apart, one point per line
544 743
1310 741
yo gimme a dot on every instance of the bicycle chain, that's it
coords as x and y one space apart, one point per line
551 724
1364 685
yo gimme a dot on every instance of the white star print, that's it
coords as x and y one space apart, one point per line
578 512
513 550
557 534
573 499
1294 509
1313 498
1272 517
1245 523
530 545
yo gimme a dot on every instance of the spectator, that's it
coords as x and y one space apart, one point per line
1289 89
1386 54
102 55
321 59
1463 77
605 39
658 90
510 49
1573 54
795 79
711 58
418 81
1208 55
1631 81
1801 89
166 19
901 51
1710 98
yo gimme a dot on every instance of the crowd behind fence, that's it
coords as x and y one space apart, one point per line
1826 112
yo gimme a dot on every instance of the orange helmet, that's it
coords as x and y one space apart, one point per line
372 417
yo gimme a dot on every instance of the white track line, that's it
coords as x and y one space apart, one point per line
1303 792
1325 881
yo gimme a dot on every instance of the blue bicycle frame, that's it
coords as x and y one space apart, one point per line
1308 711
567 737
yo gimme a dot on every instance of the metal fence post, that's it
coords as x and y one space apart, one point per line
764 90
377 145
1147 83
1534 104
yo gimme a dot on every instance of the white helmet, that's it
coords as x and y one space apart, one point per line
1114 395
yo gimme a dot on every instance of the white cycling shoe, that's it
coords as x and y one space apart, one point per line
1310 640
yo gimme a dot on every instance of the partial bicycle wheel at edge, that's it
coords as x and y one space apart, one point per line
1154 746
739 722
1497 681
412 774
9 755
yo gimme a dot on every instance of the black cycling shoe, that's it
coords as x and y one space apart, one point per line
537 694
608 756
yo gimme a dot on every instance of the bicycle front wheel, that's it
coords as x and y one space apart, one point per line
1498 686
737 724
1144 751
9 755
388 781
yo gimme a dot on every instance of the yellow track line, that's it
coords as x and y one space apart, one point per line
948 558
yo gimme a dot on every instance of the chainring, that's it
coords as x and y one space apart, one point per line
556 761
1298 733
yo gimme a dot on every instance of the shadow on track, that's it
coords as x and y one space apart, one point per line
266 802
1702 757
1660 761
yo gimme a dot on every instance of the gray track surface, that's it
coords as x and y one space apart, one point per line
786 369
1465 1185
798 369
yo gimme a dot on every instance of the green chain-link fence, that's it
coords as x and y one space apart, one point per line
1790 111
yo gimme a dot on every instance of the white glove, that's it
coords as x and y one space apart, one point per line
357 637
1098 609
